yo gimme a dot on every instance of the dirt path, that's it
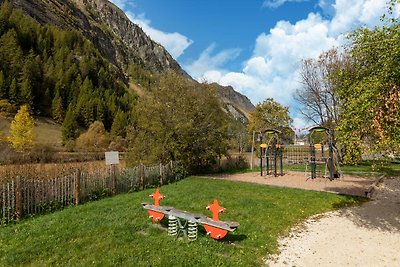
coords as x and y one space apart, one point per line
368 235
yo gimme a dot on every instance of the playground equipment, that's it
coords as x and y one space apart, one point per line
179 220
330 162
271 154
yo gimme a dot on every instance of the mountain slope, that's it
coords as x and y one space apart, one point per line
120 41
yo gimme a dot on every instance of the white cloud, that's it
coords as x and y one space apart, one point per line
272 70
278 3
207 61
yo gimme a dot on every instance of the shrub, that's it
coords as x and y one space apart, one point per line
94 139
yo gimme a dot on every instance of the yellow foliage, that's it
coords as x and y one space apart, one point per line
94 139
21 130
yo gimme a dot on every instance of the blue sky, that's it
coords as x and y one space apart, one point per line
253 45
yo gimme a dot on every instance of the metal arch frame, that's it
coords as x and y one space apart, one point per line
276 138
330 164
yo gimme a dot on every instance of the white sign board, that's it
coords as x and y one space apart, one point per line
112 157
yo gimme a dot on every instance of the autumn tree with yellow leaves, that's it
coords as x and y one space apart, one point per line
21 130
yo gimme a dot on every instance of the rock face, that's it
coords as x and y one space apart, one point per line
236 104
118 39
228 94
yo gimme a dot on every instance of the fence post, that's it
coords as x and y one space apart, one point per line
142 175
77 187
161 174
113 180
18 198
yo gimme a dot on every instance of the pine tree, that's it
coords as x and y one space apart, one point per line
3 91
21 130
70 126
25 93
119 124
57 108
13 91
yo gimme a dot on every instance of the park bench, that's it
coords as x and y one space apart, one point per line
181 221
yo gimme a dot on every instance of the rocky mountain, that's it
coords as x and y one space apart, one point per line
119 40
238 105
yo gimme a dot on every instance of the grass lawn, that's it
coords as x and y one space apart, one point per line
365 168
117 231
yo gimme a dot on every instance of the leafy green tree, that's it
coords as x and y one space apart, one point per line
269 115
370 92
21 130
179 122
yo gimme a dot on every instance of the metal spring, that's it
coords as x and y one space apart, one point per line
192 230
172 225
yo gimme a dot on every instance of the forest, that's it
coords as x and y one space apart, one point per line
61 75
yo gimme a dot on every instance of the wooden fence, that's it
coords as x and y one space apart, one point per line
22 196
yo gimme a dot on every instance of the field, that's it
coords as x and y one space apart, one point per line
117 231
46 131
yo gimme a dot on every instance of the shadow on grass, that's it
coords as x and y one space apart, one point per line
229 238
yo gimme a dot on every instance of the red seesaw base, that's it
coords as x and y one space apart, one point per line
214 227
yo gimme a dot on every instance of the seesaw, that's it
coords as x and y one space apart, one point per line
179 219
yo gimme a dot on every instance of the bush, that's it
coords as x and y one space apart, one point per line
42 154
7 108
95 139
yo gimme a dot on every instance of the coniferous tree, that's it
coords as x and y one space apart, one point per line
25 93
3 91
70 125
119 124
57 108
14 91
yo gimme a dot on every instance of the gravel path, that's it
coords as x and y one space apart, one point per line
368 235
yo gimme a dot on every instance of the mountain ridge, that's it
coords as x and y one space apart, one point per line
119 40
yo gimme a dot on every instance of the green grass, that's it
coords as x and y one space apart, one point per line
365 168
117 231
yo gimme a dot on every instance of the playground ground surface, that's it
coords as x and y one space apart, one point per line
367 235
347 184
